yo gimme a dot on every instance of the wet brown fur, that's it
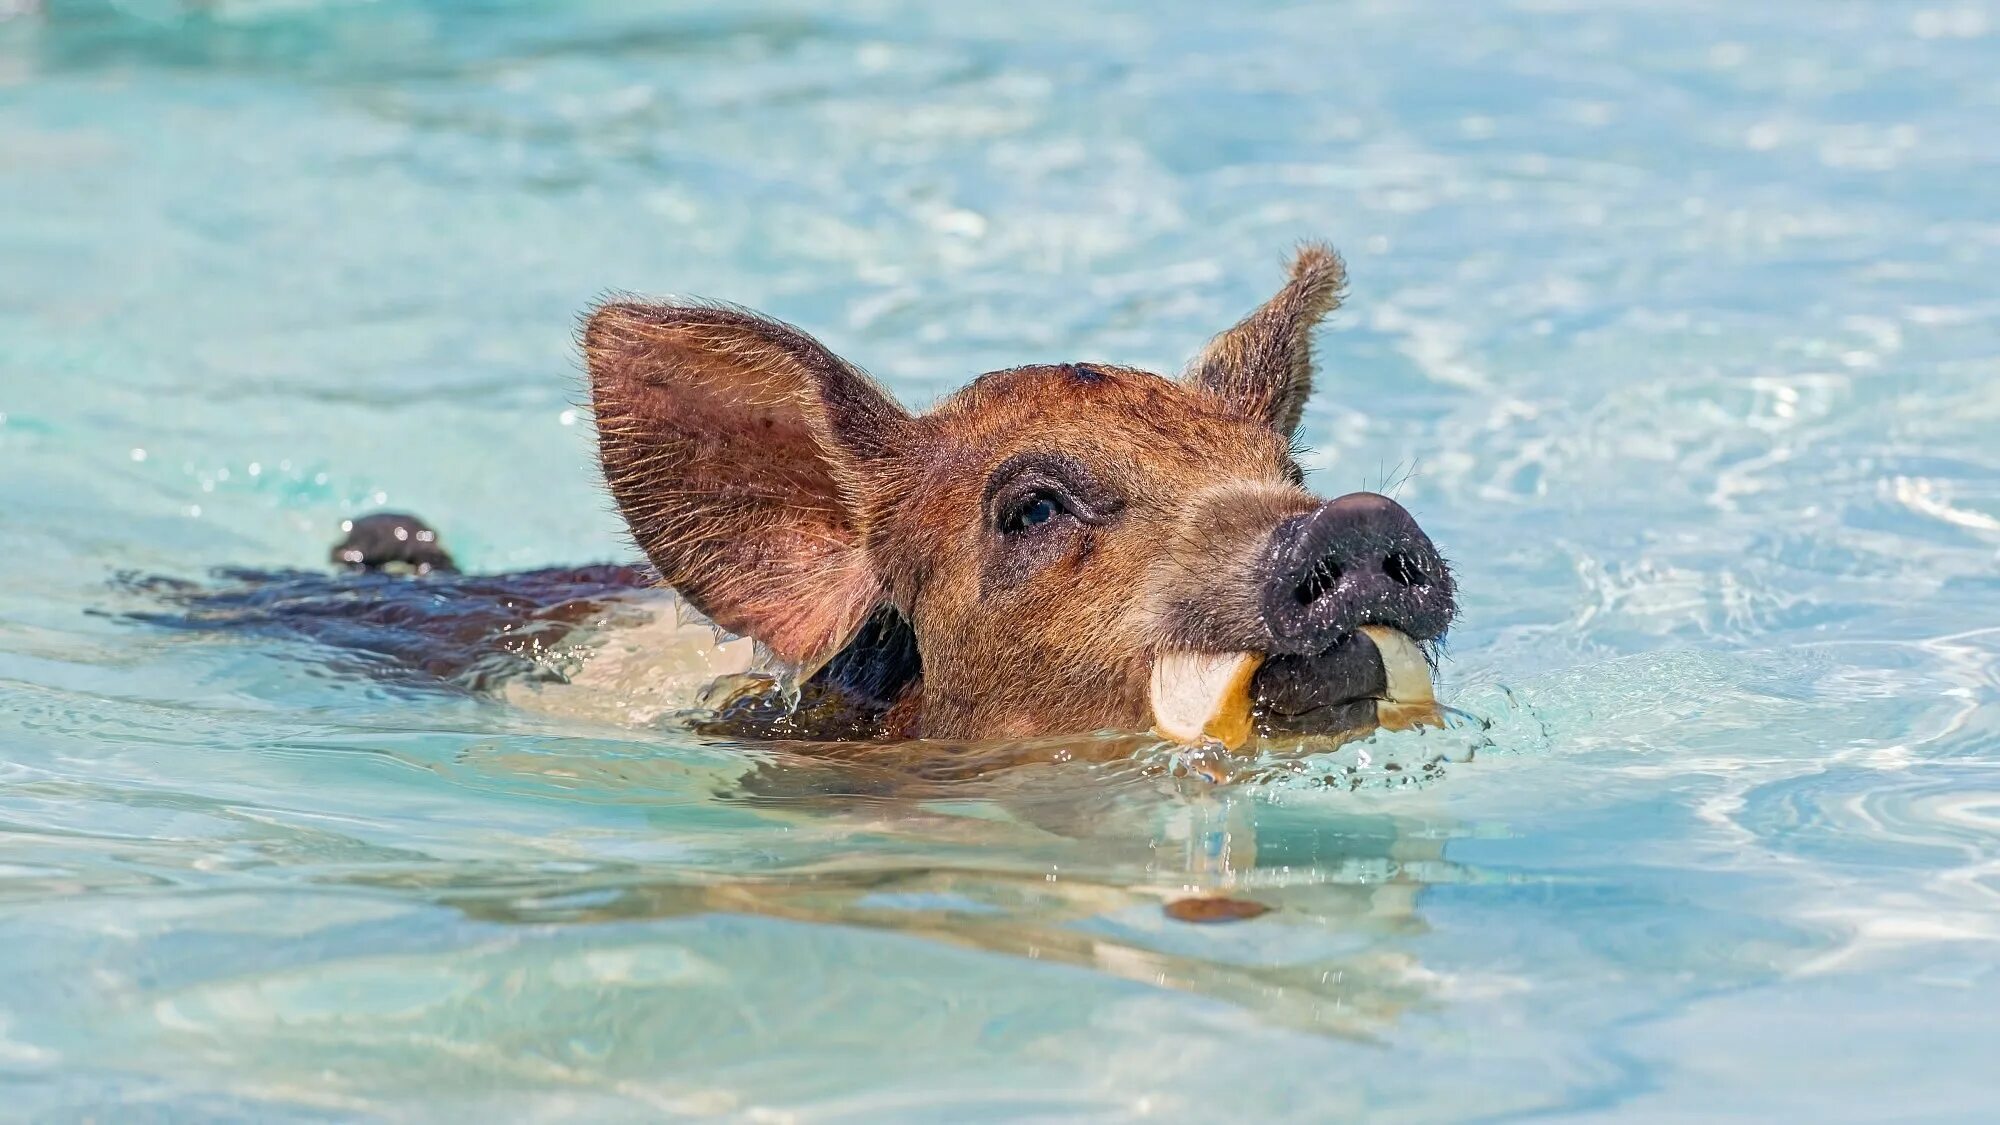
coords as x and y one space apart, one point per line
786 496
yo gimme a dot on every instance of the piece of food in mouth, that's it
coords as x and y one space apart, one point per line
1407 698
1377 676
1199 696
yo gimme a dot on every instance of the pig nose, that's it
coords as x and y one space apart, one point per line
1359 560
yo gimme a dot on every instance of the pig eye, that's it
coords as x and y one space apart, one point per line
1033 511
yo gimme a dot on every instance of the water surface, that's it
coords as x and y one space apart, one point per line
1676 324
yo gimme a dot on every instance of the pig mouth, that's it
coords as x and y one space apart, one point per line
1374 676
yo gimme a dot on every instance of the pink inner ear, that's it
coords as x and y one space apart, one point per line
710 451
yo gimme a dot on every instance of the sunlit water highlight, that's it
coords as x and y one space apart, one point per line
1676 324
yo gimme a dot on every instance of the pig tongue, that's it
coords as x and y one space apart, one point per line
1203 696
1199 696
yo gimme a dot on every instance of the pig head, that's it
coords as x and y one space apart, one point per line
1037 553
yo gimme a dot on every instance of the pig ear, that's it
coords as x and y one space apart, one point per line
1263 366
739 450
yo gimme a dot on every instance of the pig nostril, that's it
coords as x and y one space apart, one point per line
1402 570
1324 576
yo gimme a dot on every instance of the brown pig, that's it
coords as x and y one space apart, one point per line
1055 548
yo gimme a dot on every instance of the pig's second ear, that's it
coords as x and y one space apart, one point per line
738 449
1263 367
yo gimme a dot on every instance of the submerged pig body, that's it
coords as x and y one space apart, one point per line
1033 555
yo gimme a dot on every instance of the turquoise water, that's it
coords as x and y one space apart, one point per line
1676 324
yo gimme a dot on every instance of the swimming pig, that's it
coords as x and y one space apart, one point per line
1055 548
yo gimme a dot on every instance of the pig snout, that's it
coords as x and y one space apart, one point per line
1359 560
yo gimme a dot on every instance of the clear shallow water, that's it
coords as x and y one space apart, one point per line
1679 320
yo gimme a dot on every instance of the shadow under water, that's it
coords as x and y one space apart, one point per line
1117 868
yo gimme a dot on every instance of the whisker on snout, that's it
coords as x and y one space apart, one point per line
1319 582
1403 571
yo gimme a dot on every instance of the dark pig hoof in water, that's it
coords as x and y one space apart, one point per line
396 542
1205 910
